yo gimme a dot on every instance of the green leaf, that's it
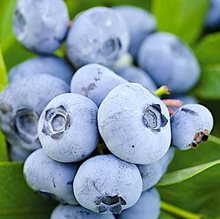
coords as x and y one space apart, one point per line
17 200
185 18
3 84
200 194
6 10
184 174
208 50
208 53
208 87
3 74
3 148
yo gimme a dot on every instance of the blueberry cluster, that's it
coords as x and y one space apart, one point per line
99 140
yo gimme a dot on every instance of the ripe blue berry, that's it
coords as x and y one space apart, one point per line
68 128
18 153
140 24
213 17
151 173
98 35
147 207
137 75
95 82
169 62
106 184
77 212
49 177
191 124
40 25
21 104
134 124
51 65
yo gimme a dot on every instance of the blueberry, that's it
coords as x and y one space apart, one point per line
95 82
98 35
51 65
134 124
107 184
169 62
140 24
40 25
213 16
21 104
18 153
147 207
77 212
191 124
68 128
51 178
151 173
135 74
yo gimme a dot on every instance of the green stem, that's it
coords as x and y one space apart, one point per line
163 90
214 139
178 211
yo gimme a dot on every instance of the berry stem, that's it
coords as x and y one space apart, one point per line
214 139
163 90
178 211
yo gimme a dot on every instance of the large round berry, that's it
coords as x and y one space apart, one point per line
95 82
147 207
98 35
140 24
21 104
68 128
77 212
18 153
106 184
51 65
134 124
212 21
41 25
137 75
152 173
169 62
49 177
191 124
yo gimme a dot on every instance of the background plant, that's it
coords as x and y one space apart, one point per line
193 180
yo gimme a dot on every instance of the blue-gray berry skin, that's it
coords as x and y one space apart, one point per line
77 212
21 104
49 177
68 129
51 65
169 62
152 173
140 24
134 124
106 184
98 35
213 16
147 207
18 153
95 82
191 124
137 75
40 25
